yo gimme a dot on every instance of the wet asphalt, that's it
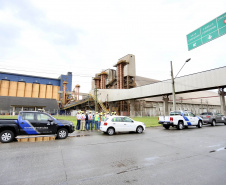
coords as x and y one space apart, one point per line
158 156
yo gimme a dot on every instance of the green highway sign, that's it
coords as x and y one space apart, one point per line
208 32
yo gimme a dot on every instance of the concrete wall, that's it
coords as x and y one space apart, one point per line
129 69
157 110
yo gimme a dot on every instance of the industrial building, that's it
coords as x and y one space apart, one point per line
26 92
124 77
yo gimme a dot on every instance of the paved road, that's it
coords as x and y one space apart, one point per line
158 156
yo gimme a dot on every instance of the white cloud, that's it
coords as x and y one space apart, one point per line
86 36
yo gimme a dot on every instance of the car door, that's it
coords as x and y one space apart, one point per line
194 120
187 118
190 120
118 124
27 122
128 124
45 124
218 118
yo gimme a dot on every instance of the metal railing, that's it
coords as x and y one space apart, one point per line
104 109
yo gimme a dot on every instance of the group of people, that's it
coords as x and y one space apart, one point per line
87 121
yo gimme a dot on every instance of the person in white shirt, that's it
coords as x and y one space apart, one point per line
78 121
90 121
83 121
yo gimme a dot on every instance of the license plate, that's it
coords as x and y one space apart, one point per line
166 123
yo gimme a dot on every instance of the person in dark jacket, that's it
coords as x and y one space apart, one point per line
87 121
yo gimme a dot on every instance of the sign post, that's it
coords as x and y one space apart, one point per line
208 32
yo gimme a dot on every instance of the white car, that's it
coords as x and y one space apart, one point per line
121 124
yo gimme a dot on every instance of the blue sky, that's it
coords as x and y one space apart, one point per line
52 37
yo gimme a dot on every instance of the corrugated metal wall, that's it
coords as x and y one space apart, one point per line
29 90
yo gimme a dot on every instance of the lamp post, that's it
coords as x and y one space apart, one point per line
173 83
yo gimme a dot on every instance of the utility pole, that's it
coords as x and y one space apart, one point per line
173 84
173 87
95 93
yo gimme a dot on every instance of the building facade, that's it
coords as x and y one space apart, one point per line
27 92
123 76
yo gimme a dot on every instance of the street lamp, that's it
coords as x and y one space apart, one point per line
173 84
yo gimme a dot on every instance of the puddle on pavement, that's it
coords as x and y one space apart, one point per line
217 150
82 135
123 163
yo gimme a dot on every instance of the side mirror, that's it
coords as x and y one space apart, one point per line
50 120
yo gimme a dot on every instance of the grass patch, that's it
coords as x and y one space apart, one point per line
148 121
73 119
8 117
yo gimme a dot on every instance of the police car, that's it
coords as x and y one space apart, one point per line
180 119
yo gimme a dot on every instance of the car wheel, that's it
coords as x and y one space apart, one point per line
180 126
6 136
139 130
213 123
111 131
166 126
62 133
199 124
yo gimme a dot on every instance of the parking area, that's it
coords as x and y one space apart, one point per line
158 156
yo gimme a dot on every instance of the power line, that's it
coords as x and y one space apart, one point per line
60 66
80 75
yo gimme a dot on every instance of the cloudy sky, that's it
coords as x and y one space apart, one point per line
52 37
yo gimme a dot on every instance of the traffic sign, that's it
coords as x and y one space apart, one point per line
208 32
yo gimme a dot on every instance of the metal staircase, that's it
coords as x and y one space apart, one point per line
104 109
72 104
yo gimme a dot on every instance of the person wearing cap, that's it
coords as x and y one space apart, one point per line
107 115
86 123
96 121
83 118
102 119
93 122
78 120
99 121
90 121
115 113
